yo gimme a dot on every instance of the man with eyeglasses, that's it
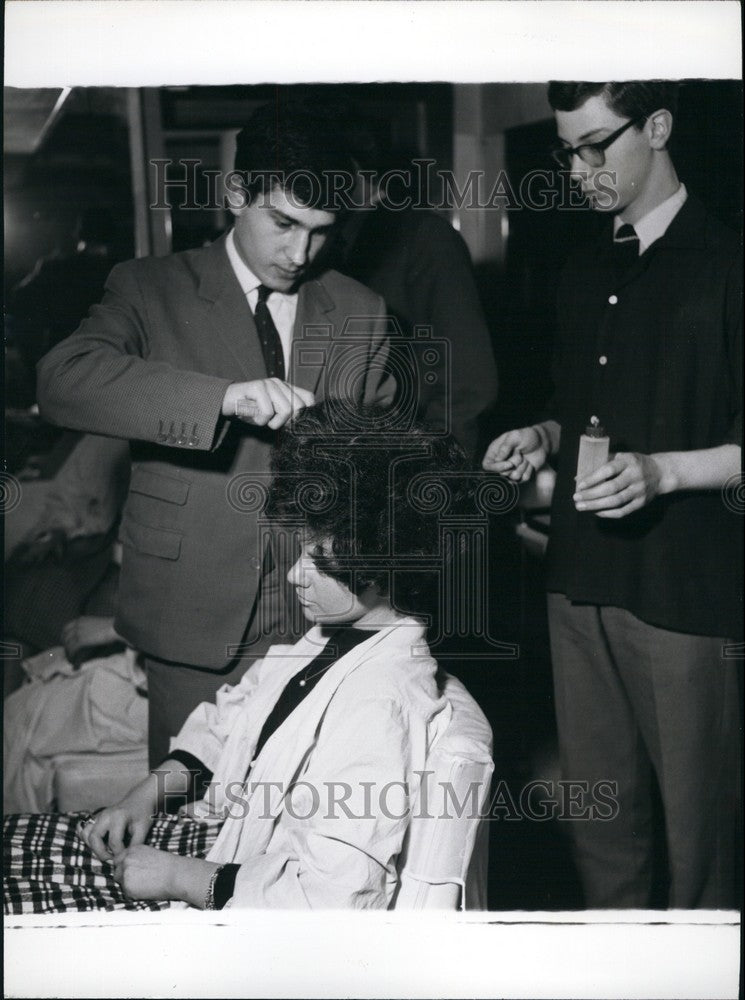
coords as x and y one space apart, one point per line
644 564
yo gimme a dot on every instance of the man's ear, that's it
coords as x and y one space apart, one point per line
659 128
236 196
235 202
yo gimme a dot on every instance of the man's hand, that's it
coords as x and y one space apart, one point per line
148 873
265 402
517 454
624 484
86 633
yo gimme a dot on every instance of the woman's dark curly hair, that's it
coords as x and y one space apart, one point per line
379 495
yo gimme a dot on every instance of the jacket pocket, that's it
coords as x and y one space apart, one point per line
159 542
155 484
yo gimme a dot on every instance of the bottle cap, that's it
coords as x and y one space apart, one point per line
595 429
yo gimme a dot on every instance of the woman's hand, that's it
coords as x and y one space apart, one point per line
125 824
147 873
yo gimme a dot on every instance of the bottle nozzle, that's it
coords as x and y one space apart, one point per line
594 428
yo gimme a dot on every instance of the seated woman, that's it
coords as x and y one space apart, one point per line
301 777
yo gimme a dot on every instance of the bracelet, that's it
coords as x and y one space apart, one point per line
209 896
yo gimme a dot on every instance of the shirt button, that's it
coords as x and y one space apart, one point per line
255 563
613 299
603 360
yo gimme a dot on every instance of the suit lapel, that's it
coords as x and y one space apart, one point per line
233 322
312 337
229 313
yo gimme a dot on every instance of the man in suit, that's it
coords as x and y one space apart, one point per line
198 359
644 563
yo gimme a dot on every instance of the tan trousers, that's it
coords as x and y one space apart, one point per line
637 704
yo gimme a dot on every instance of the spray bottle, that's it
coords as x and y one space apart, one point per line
593 450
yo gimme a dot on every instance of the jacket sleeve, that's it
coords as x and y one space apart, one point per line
345 819
101 379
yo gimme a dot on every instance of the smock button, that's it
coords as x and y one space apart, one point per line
613 299
603 360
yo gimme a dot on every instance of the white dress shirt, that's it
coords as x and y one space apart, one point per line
281 305
654 224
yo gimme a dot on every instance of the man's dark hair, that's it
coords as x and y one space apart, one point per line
296 146
377 494
631 99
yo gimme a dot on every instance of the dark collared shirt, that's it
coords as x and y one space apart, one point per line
657 356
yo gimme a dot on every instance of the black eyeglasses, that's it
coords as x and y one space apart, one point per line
592 153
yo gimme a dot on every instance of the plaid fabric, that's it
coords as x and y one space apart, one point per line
49 869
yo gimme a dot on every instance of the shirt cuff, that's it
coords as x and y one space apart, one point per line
199 778
225 885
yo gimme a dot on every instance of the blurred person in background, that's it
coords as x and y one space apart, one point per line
421 267
50 303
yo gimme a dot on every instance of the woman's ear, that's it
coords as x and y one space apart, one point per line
660 128
374 593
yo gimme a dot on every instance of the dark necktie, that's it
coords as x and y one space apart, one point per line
625 248
271 345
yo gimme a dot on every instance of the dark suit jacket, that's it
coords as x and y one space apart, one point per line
151 364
